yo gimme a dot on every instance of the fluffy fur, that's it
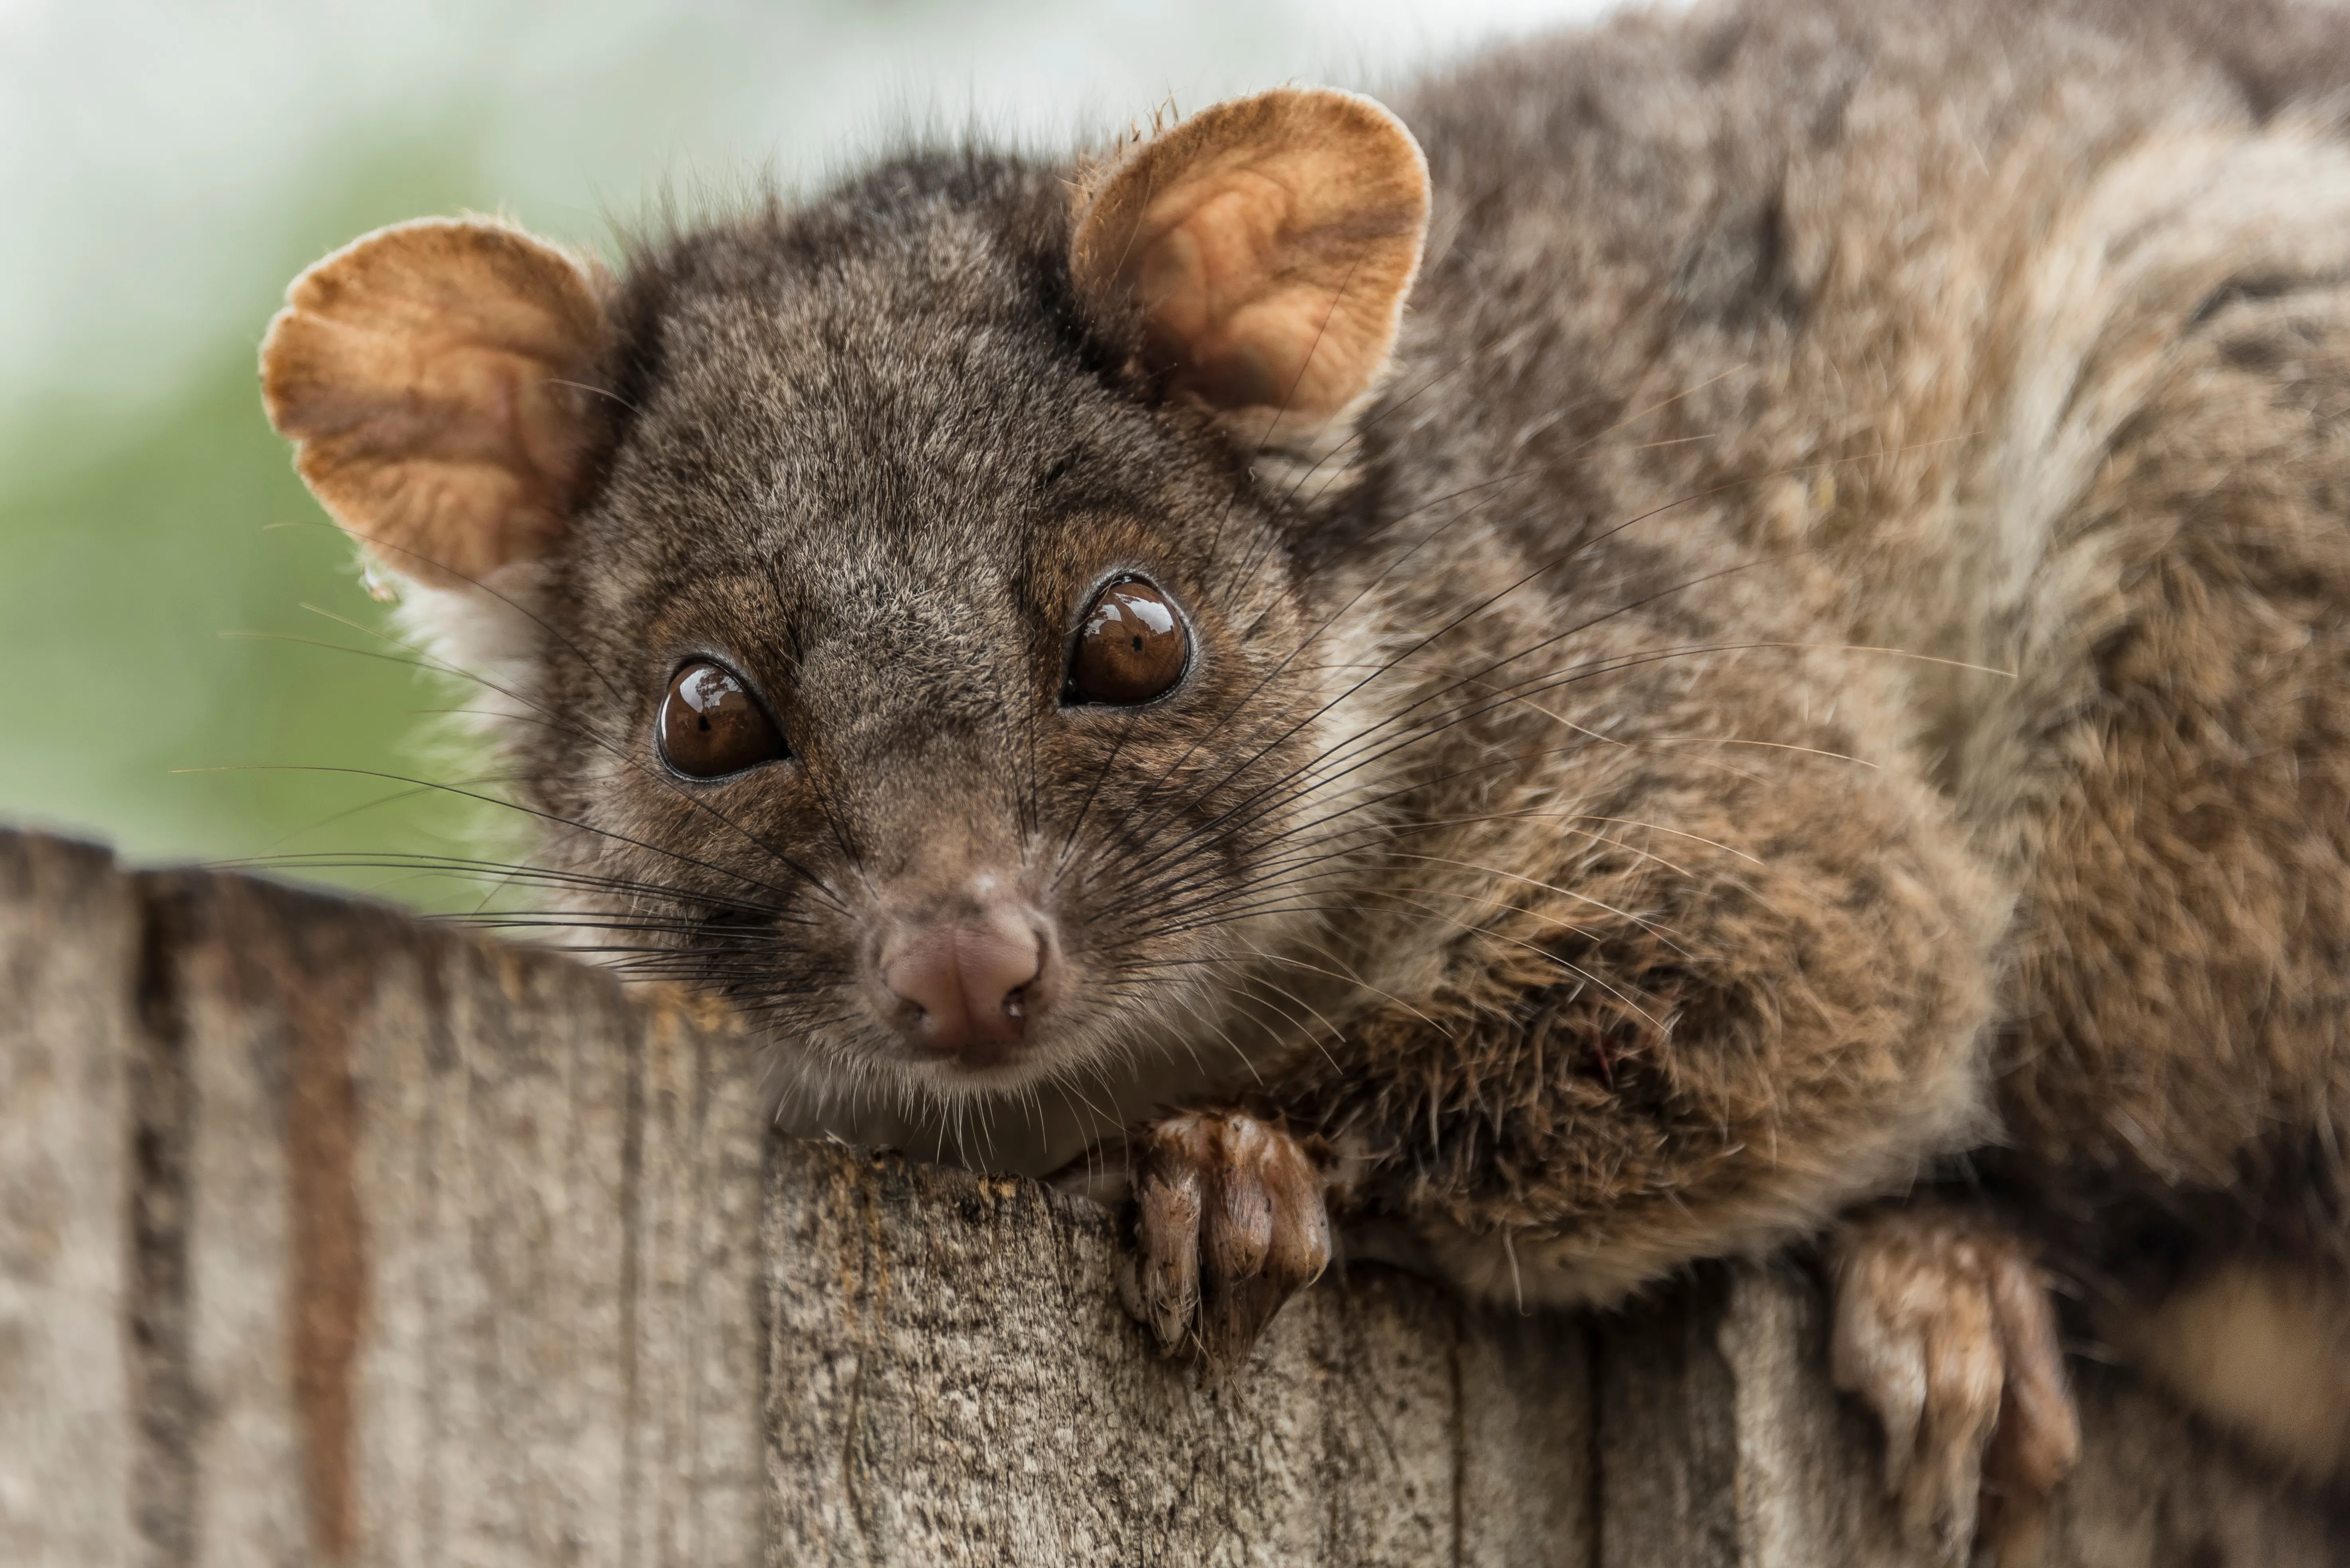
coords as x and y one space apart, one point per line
1824 653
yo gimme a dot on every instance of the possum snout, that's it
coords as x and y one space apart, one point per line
965 972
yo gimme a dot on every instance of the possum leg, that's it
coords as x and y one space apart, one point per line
1231 1218
1943 1327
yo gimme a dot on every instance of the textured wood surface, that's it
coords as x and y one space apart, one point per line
69 966
950 1381
329 1237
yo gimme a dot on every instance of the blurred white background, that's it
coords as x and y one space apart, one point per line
165 169
150 149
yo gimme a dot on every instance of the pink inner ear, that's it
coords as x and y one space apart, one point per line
430 377
1268 245
1205 286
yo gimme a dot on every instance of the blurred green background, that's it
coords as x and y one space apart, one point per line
167 169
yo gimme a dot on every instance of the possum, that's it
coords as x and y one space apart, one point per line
1723 632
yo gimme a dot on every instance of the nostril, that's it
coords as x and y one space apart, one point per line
967 983
921 972
997 962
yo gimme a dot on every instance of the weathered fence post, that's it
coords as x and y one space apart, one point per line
328 1236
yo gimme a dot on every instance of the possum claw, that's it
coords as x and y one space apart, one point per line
1230 1220
1944 1328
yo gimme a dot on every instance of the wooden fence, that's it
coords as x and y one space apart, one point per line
328 1236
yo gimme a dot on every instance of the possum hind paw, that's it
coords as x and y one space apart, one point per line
1231 1218
1944 1328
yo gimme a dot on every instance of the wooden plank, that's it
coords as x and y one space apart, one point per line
1723 1442
1529 1466
1665 1426
951 1380
262 1002
2157 1487
1808 1461
696 1449
330 1237
522 1344
69 972
475 1275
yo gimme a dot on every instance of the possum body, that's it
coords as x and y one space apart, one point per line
1713 624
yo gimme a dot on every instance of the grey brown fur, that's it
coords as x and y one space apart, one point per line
1826 654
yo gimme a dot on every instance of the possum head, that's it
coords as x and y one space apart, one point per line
902 637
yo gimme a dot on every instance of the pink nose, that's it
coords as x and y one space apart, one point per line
966 986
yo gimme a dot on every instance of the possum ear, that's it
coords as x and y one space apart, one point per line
437 380
1265 246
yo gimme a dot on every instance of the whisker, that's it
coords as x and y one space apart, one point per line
588 732
509 804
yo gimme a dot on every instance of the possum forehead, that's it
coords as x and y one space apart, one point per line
876 426
895 456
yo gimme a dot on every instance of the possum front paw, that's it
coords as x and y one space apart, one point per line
1231 1218
1944 1328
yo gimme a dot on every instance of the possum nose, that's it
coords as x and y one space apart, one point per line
968 986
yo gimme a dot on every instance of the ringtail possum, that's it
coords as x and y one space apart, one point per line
1722 631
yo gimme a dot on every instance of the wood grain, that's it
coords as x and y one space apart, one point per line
69 972
330 1237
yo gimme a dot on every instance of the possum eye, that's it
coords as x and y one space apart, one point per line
710 726
1131 646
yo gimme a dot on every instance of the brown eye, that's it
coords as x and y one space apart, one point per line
710 726
1131 647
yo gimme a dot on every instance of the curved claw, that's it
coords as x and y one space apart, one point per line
1167 1249
1231 1220
1944 1328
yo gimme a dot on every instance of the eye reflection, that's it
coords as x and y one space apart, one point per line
712 726
1131 647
